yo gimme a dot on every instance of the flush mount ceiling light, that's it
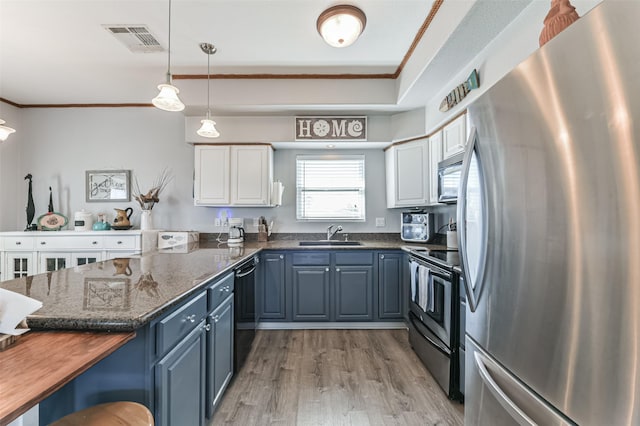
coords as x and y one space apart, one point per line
167 99
341 25
208 128
5 131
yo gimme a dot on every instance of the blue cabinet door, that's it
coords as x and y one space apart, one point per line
353 293
390 300
272 300
180 383
219 353
311 293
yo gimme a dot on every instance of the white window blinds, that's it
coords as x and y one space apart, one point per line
330 188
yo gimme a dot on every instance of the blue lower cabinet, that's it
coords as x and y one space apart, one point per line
219 353
272 301
390 295
311 293
353 293
180 384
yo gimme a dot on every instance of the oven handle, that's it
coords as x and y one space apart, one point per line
439 345
435 270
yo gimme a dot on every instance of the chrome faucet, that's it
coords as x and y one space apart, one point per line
331 232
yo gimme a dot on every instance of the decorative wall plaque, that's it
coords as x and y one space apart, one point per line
331 128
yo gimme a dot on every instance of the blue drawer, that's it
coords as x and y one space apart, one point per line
315 258
219 291
354 258
179 323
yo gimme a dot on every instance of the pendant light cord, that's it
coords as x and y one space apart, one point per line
208 86
169 48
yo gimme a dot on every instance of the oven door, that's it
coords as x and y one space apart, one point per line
430 298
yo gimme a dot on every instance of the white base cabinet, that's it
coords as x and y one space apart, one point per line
29 253
233 175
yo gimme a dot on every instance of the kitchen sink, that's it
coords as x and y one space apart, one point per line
330 243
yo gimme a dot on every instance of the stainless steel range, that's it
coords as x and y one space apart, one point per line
434 315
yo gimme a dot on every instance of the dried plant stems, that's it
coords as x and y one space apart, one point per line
148 200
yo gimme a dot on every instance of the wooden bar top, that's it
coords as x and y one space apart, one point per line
41 362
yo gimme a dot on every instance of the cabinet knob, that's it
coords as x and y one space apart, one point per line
18 243
382 256
119 242
216 318
43 243
94 242
326 269
207 327
337 269
191 318
282 256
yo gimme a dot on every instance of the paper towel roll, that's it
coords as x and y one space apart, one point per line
277 188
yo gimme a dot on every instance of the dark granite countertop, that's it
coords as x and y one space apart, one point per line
122 294
127 293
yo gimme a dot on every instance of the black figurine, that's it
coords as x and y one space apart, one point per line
31 208
50 200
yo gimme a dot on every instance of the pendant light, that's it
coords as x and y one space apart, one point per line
168 99
341 25
208 128
5 131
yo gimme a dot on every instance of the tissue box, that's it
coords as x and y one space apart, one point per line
168 239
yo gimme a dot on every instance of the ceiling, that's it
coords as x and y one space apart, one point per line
58 52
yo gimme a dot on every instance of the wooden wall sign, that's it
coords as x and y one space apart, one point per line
331 128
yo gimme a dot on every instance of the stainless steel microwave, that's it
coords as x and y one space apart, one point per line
449 174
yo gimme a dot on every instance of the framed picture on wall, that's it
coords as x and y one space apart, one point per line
108 185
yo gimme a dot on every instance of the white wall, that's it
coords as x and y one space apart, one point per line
11 177
512 46
58 145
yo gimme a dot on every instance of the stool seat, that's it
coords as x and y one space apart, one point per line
123 413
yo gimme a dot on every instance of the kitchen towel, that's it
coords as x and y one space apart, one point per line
14 307
414 279
424 275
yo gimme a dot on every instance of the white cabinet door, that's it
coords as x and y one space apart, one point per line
251 175
80 258
19 264
435 156
454 136
407 174
53 261
211 180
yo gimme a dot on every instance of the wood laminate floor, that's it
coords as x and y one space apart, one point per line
335 377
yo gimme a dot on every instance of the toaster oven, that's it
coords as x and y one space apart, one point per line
417 227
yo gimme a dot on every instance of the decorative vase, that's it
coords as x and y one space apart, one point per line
560 16
146 222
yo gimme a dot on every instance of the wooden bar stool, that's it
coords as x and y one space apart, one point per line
122 413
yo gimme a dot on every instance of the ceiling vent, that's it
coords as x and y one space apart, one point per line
137 38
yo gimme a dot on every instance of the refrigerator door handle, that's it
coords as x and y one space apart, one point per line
473 285
549 417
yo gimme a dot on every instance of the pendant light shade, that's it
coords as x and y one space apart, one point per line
341 25
5 131
208 128
168 99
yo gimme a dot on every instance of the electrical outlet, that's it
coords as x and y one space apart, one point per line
380 222
225 222
217 222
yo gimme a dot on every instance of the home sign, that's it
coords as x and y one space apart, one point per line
331 128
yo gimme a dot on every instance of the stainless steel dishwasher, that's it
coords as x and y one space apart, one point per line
245 312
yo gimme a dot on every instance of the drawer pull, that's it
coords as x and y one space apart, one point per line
43 243
18 243
94 242
216 318
207 327
225 289
190 318
119 242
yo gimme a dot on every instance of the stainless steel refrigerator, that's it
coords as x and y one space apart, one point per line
550 208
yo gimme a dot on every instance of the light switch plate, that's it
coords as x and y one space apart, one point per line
380 222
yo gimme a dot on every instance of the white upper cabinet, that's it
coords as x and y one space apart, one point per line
454 136
407 174
435 156
233 175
